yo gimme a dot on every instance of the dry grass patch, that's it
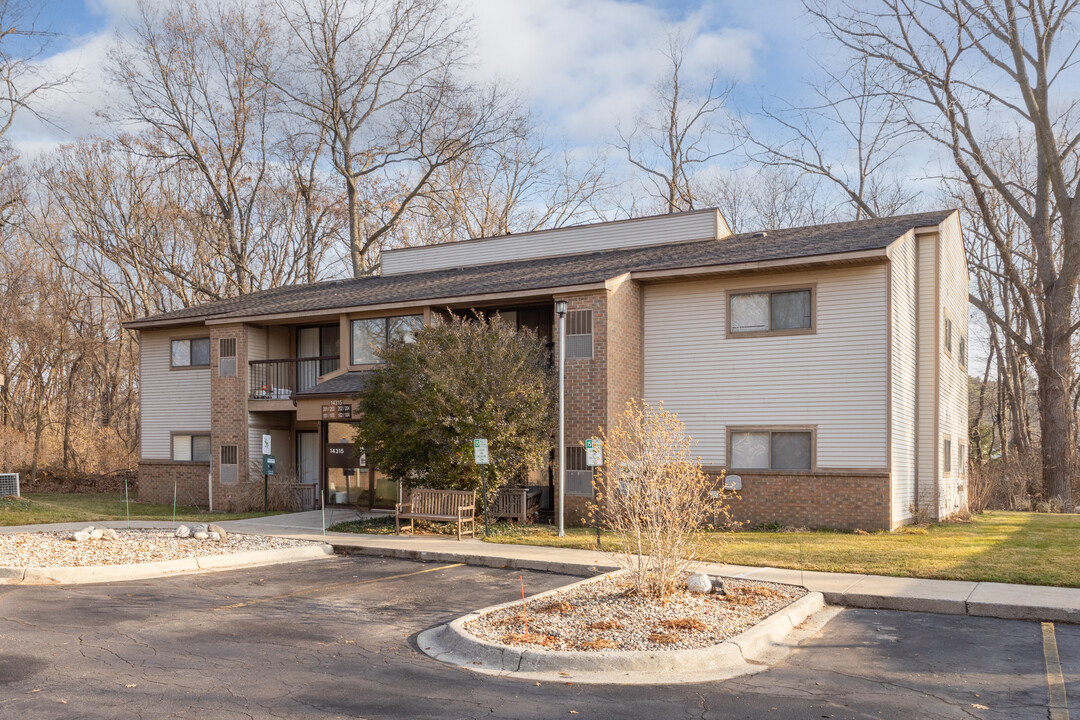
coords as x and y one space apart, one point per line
664 638
683 624
556 606
599 644
605 625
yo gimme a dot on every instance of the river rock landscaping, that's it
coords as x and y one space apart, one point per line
61 549
602 616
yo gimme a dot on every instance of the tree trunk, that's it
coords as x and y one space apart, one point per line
1055 413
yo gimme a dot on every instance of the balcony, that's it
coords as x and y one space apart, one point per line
282 378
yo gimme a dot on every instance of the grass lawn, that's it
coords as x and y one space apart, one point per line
1010 547
35 508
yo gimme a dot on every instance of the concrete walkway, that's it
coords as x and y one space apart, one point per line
953 597
1020 602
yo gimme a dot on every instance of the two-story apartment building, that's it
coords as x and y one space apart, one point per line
824 366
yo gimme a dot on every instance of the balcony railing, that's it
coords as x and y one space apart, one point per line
281 379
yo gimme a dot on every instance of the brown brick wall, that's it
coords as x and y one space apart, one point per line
834 499
156 478
228 412
625 373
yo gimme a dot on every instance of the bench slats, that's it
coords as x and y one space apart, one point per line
457 506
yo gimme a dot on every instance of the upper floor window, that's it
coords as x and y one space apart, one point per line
765 449
778 312
962 351
191 352
579 334
946 459
948 334
372 334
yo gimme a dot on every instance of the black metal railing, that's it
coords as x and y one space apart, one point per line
282 378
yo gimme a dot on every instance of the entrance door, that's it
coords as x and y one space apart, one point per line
347 480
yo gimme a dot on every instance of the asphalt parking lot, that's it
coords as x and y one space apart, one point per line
335 638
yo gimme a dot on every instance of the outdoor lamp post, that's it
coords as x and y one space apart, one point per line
560 308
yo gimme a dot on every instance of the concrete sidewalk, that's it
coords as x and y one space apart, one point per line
953 597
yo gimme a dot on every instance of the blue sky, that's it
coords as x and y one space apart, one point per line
582 65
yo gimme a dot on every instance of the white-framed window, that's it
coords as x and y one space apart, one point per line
579 334
775 312
227 357
946 455
962 351
229 464
771 449
191 447
948 334
191 352
369 335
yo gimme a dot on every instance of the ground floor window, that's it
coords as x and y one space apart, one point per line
771 449
191 447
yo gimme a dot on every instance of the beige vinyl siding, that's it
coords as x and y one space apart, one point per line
834 379
953 385
904 273
929 349
169 400
281 442
698 225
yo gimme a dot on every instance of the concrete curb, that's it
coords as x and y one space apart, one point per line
949 597
164 568
491 561
752 651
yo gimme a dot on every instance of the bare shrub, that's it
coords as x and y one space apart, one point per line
653 497
284 494
1012 483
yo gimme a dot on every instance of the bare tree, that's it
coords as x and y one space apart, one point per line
675 137
851 136
190 72
515 185
378 78
968 69
765 197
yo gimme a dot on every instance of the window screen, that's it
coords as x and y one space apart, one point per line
578 474
772 312
946 461
229 463
579 335
227 357
948 334
771 450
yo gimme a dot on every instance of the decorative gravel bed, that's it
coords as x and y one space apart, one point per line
55 549
600 616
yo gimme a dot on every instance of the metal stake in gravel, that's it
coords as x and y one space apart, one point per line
173 504
322 504
524 617
127 503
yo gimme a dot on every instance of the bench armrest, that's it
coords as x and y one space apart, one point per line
401 506
461 510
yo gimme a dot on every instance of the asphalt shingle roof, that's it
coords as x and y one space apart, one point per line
559 271
350 383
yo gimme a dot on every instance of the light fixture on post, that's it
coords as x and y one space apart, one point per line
560 309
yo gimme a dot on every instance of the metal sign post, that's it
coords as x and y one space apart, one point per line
594 457
480 455
268 470
560 309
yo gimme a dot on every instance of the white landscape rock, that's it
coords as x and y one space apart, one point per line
80 536
201 535
699 583
214 528
183 531
214 535
109 534
96 533
88 529
718 585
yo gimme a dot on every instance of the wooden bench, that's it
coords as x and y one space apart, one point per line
456 506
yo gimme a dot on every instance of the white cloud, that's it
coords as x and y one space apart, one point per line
585 65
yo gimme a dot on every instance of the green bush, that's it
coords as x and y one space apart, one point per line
462 379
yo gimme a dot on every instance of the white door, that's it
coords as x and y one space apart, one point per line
309 457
